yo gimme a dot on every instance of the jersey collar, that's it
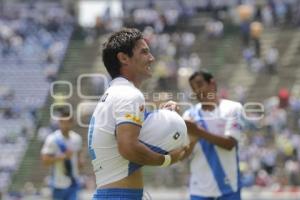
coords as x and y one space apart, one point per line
121 81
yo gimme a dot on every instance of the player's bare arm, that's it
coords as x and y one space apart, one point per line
49 160
197 132
132 149
81 160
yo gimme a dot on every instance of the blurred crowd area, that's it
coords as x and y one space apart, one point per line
33 41
270 153
35 37
172 28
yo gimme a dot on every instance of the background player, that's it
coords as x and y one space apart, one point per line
61 151
214 165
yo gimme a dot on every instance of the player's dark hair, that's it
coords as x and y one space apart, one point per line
63 112
122 41
205 74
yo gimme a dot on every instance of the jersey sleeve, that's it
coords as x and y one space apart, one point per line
234 124
130 108
187 115
49 146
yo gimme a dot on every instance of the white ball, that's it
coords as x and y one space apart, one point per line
164 129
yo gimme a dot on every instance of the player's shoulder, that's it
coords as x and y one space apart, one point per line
195 108
231 104
231 107
76 136
126 93
191 110
52 137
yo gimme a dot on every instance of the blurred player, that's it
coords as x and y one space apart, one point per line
113 141
214 165
61 151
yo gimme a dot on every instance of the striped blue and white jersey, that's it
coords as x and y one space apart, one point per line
214 170
53 146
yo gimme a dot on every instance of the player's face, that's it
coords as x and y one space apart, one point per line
140 62
65 125
205 91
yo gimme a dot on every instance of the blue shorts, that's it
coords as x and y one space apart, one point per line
118 194
231 196
69 193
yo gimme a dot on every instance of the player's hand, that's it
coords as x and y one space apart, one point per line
190 149
193 129
60 157
68 154
178 154
170 105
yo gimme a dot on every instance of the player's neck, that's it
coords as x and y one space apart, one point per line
65 134
136 83
211 106
131 78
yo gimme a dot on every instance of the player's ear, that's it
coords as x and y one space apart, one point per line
213 84
123 58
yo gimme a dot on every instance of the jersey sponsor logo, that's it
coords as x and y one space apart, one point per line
133 118
236 126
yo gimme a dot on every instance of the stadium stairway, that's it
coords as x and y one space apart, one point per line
215 53
220 55
242 76
267 85
79 59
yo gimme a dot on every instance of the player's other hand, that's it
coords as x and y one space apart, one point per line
178 154
195 131
68 154
170 105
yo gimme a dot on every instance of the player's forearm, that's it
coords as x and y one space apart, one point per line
189 150
223 142
141 154
50 160
80 162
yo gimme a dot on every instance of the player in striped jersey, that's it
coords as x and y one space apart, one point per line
214 160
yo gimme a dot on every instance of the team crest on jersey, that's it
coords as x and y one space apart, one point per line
236 126
133 118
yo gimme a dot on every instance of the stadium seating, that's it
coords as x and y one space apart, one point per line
31 51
